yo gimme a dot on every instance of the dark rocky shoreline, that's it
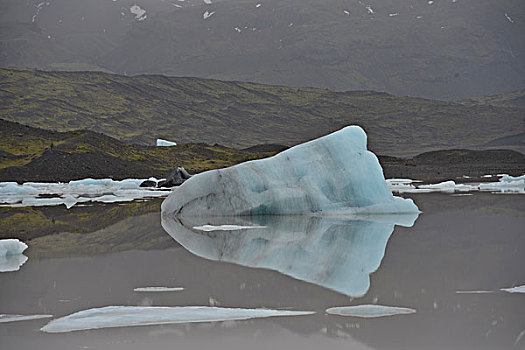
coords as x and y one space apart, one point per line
430 167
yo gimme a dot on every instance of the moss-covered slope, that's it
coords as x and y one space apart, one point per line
143 108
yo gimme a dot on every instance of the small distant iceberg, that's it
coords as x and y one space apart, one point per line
11 257
369 311
165 143
127 316
332 175
4 318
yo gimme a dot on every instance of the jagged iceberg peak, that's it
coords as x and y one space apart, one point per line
334 174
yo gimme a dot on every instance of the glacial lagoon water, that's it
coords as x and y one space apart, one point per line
439 281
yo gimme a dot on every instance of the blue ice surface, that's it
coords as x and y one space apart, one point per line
165 143
334 174
125 316
369 310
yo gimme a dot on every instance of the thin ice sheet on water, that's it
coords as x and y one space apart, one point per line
369 311
158 289
208 228
126 316
4 318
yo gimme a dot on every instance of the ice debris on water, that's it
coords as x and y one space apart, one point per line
369 311
11 257
125 316
518 289
4 318
334 174
74 192
506 184
165 143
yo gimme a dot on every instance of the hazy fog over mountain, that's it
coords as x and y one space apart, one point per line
439 49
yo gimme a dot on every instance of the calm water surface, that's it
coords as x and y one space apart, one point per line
458 244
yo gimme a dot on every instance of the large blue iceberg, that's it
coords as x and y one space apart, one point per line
332 175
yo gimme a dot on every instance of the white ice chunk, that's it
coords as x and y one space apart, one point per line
332 174
258 5
165 143
11 257
126 316
447 186
14 318
369 311
158 289
209 228
518 289
139 12
207 14
346 12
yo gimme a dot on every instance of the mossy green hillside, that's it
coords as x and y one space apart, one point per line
188 110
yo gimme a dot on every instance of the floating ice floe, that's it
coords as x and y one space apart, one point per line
207 14
332 252
165 143
369 311
140 13
518 289
11 257
158 289
4 318
74 192
126 316
332 175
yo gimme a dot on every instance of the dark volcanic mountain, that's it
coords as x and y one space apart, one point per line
440 49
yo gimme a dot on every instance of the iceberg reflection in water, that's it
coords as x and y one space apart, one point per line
338 253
